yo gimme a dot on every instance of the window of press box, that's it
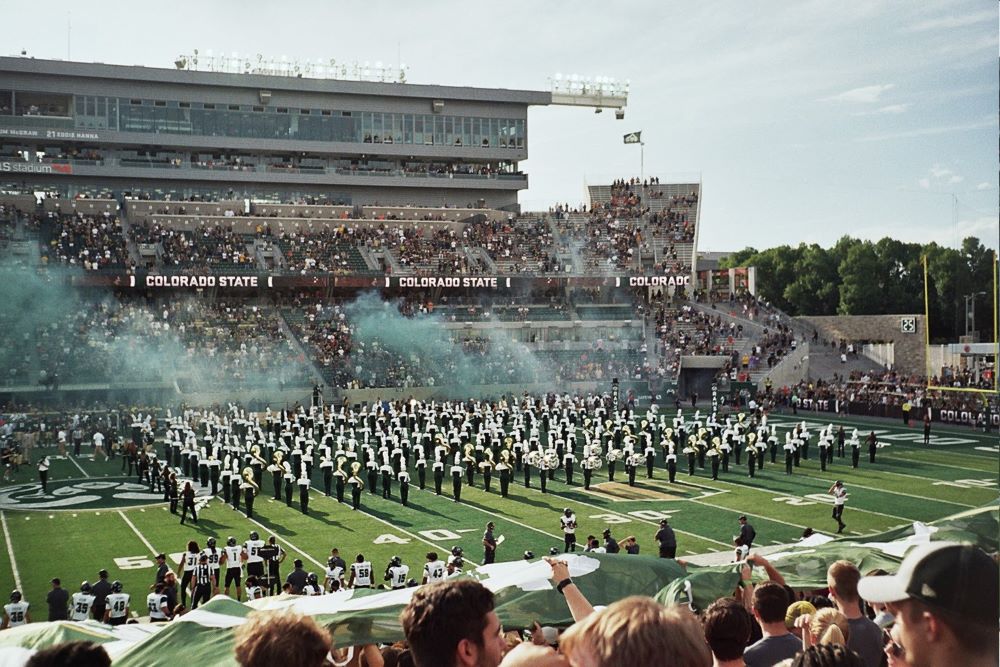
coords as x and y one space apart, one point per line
6 102
43 104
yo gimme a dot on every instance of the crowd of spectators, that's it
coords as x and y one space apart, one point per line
203 248
90 242
517 246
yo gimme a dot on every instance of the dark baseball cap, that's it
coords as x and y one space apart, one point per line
960 579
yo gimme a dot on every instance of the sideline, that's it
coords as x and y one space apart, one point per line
10 550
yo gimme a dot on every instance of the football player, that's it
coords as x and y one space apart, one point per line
361 573
117 611
568 522
434 569
396 573
16 612
233 557
82 603
334 573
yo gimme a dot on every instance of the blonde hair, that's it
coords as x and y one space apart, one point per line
639 631
829 626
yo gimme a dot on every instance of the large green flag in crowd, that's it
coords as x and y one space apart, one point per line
524 594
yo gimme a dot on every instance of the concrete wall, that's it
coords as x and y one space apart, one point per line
908 348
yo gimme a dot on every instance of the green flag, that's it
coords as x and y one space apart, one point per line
633 137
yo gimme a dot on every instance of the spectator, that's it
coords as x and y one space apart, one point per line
770 603
286 639
71 654
452 623
827 655
865 637
944 597
727 630
637 631
58 599
826 626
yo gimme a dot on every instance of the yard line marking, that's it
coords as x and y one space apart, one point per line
135 530
78 467
10 551
628 516
402 530
504 518
898 493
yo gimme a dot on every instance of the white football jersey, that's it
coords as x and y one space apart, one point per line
190 561
434 571
568 523
82 603
214 555
234 556
118 604
16 612
397 575
362 573
334 574
253 548
254 593
155 603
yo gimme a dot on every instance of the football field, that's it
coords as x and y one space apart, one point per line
93 517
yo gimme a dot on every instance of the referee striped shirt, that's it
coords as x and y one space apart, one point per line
203 575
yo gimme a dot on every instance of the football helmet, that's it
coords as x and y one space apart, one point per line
116 586
231 542
254 535
396 561
210 543
456 551
528 555
85 587
15 596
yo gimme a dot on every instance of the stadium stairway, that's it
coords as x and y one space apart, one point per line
316 372
824 361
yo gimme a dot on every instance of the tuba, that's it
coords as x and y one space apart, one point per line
248 478
355 469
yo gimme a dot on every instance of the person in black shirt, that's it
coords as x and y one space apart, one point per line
58 599
100 592
747 533
610 543
667 540
187 498
161 567
297 577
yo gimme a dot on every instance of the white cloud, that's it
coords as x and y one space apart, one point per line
863 95
928 131
890 109
984 186
947 22
939 175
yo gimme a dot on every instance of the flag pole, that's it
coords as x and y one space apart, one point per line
642 160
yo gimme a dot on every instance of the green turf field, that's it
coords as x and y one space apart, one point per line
99 523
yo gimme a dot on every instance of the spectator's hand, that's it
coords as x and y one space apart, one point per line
537 636
531 655
560 570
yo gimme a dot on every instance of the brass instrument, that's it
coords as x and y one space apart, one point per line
248 478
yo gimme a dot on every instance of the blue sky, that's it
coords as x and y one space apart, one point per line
804 120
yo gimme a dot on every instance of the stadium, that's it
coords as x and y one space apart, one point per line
313 304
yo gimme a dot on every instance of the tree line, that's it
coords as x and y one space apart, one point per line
857 277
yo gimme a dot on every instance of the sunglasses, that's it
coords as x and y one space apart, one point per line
891 646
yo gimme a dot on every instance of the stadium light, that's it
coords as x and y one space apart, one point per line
598 92
285 66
